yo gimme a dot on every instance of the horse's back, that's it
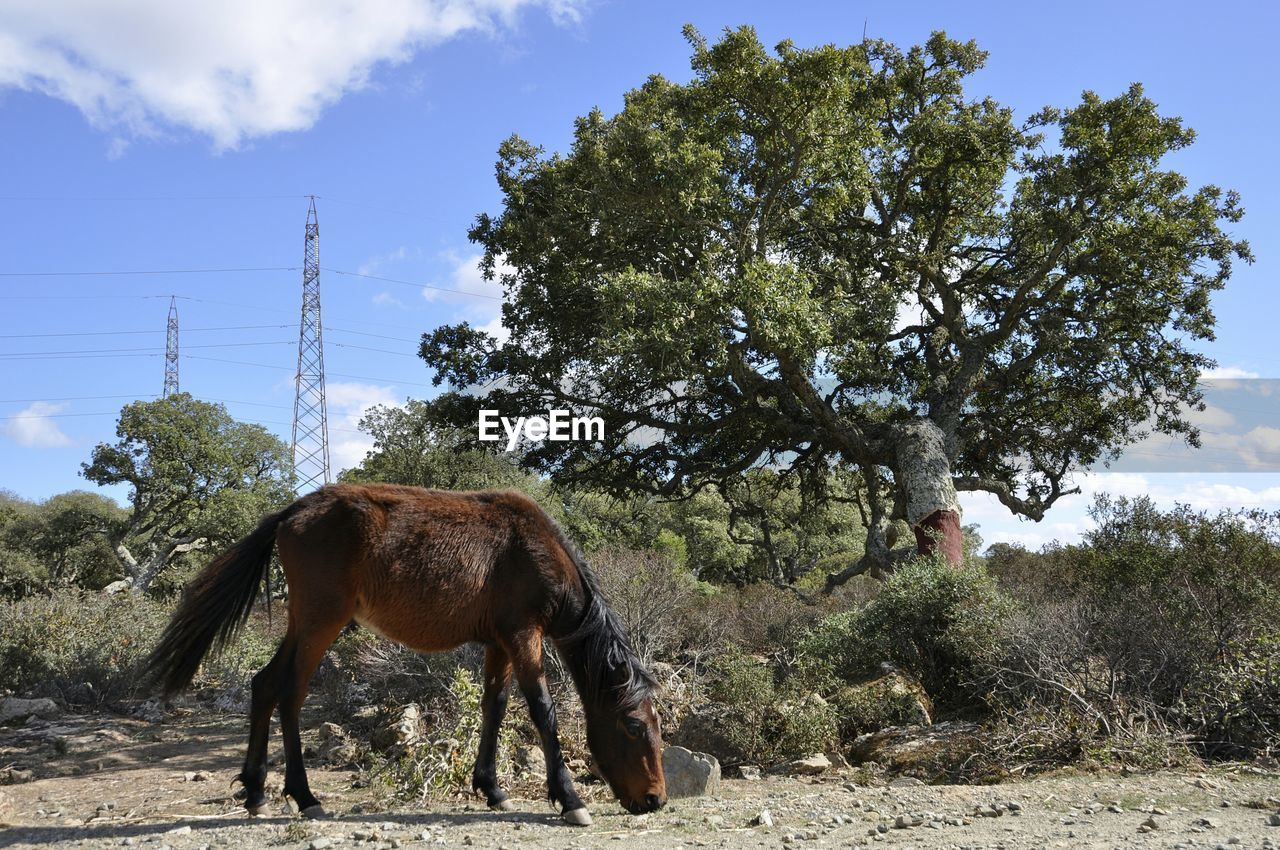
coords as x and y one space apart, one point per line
428 568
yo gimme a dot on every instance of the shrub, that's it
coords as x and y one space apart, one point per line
1164 627
80 648
763 723
935 622
652 595
442 761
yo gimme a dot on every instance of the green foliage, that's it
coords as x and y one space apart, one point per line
61 541
763 723
935 622
1159 622
80 648
196 477
442 762
877 705
722 264
410 448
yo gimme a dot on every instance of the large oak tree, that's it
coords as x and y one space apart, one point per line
836 259
197 478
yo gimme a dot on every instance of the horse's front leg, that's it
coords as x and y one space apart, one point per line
493 706
527 658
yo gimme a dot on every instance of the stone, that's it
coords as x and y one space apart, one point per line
807 766
928 750
16 776
15 709
749 772
320 843
1274 820
764 818
690 774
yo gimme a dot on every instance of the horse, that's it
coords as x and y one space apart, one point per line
431 569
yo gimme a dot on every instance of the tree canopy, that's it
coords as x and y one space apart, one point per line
835 258
196 477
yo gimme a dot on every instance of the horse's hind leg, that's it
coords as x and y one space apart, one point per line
493 705
265 695
526 656
314 636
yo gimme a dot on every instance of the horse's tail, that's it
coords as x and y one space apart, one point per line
215 605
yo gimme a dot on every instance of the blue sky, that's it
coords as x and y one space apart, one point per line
146 136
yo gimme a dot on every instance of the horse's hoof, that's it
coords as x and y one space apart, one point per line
504 805
259 811
577 817
315 812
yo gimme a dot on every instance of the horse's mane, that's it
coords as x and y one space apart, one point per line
600 639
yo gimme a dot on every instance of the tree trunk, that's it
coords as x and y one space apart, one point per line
923 472
142 575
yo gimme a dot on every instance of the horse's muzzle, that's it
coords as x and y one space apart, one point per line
650 803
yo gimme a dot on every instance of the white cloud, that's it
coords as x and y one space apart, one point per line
34 429
233 70
465 275
1067 520
1227 373
348 403
386 299
379 261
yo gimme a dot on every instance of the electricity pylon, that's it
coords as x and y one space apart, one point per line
310 417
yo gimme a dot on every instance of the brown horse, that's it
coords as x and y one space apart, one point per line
433 570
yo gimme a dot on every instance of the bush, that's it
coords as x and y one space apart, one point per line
651 594
763 723
87 649
935 622
80 648
442 761
1163 628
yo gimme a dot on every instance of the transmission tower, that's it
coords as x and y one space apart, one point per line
310 418
171 350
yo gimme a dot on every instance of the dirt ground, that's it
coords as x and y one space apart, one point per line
106 781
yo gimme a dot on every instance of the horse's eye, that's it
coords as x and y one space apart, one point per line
633 727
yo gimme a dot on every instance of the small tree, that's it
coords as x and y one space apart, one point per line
196 478
834 257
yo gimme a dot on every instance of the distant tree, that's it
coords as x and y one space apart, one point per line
834 258
196 478
409 447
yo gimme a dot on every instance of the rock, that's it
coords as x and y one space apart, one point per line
1274 820
702 731
764 818
14 709
906 782
807 766
16 776
320 843
749 772
690 774
891 700
926 750
117 587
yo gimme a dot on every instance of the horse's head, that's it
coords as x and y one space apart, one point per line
625 738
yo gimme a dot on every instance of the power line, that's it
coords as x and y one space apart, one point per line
367 348
130 273
415 284
37 355
287 369
153 331
74 398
